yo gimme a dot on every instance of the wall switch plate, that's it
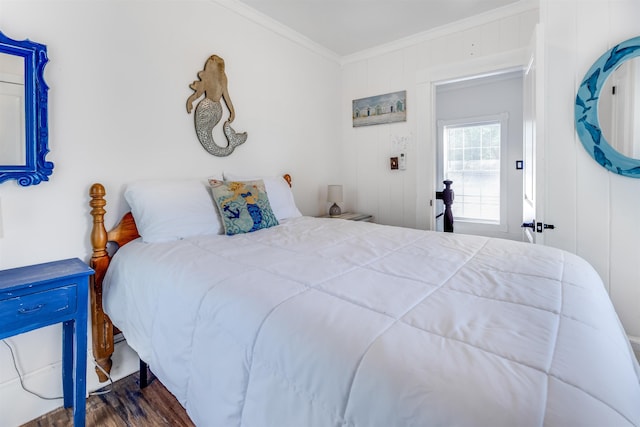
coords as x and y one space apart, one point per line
393 162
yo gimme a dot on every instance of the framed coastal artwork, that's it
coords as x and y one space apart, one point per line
379 109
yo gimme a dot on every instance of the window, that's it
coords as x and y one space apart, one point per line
472 157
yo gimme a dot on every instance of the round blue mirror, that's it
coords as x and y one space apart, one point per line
607 106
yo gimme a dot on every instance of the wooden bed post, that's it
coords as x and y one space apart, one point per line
102 328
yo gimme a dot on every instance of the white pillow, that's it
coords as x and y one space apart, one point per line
167 210
278 192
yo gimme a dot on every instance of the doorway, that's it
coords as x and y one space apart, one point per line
479 142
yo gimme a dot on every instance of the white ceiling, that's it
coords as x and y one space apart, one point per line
348 26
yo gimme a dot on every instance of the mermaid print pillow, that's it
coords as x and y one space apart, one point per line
244 206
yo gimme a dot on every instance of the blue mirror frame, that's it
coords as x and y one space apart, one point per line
36 169
586 110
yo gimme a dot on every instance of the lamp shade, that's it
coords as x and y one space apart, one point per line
334 193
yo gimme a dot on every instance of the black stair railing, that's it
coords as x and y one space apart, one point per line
447 197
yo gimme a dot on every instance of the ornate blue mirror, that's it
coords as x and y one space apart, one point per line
607 109
24 132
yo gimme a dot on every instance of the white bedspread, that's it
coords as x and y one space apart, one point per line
325 322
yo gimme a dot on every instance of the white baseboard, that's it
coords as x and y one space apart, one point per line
18 407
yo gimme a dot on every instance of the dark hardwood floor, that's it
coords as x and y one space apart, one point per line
126 405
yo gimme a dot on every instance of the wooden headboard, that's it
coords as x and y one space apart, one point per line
101 327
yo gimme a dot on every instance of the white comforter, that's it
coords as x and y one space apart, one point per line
325 322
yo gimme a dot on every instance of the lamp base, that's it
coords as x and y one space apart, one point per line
335 210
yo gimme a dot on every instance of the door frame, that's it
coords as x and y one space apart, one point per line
426 132
534 139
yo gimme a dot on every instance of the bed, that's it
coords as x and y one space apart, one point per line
328 322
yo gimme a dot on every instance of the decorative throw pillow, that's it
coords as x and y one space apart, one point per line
244 206
279 192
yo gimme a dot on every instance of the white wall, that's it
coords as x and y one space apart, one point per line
596 212
483 43
118 74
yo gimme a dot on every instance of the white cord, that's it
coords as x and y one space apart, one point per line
15 365
95 393
100 392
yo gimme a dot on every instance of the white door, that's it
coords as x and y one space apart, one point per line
533 141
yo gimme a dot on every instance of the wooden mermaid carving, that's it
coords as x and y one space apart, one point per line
212 84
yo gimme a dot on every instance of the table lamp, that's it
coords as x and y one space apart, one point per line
334 195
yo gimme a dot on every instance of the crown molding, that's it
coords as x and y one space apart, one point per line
288 33
276 27
454 27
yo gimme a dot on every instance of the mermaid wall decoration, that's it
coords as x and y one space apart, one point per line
212 83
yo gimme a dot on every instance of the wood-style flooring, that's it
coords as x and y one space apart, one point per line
125 406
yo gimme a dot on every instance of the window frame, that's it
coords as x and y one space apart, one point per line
478 225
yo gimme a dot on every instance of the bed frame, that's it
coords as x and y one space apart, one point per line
102 329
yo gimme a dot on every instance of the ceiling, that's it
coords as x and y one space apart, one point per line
348 26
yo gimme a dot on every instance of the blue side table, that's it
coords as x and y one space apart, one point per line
41 295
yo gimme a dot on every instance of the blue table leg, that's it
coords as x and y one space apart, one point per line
80 359
67 362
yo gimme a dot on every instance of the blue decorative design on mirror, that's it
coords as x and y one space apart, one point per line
24 131
600 115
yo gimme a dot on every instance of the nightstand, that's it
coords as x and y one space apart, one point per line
45 294
351 216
